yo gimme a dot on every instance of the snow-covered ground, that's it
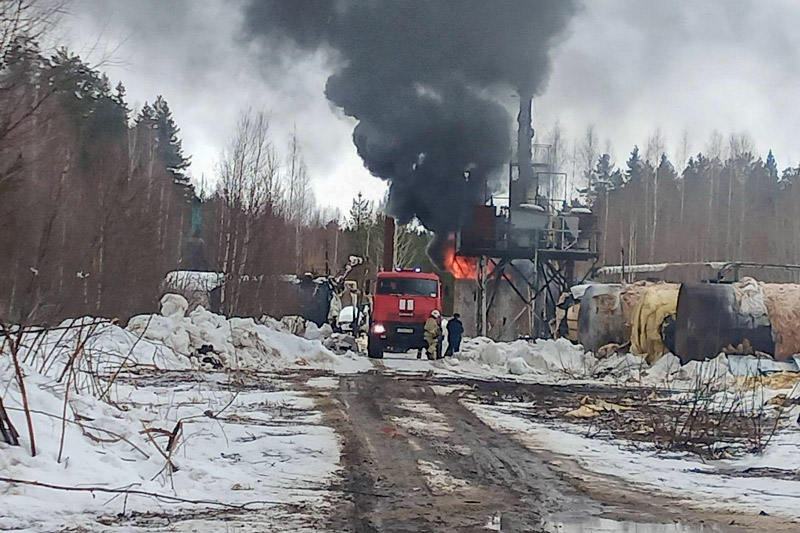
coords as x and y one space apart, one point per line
183 411
560 361
264 450
148 411
721 484
717 485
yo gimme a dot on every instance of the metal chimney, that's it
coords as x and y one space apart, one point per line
388 243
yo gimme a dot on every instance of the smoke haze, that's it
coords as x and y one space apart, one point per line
423 80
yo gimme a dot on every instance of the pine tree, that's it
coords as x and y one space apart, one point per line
170 147
146 116
119 98
78 85
635 166
771 166
360 213
608 177
365 231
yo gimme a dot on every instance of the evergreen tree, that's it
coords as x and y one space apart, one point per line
119 98
360 213
665 165
170 147
771 166
608 177
78 85
365 229
146 116
635 166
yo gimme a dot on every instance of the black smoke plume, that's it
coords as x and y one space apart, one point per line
422 78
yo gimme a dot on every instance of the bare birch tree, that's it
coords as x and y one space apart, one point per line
656 145
588 151
249 180
299 196
558 157
31 19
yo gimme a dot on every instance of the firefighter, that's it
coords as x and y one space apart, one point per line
455 329
432 333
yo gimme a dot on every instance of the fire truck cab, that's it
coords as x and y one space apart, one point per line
402 302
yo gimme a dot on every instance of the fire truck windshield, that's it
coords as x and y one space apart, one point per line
408 287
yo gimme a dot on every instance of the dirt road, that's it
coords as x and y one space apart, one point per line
416 460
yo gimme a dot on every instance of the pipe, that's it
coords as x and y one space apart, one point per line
388 244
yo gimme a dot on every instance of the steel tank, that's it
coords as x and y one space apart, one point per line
600 317
709 318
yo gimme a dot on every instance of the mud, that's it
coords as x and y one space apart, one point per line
415 460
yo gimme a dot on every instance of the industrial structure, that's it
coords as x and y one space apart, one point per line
527 248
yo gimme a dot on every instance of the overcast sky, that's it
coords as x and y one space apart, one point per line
627 66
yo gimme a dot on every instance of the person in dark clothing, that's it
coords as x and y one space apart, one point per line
455 329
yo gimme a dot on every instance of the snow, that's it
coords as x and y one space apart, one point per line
256 446
268 441
682 476
544 358
194 280
439 480
128 390
240 343
173 305
561 361
422 419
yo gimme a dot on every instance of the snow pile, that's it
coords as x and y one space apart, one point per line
317 333
173 340
554 358
93 347
558 360
236 343
713 374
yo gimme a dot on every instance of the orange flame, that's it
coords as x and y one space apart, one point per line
460 267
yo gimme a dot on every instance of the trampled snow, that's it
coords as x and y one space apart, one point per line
268 443
105 401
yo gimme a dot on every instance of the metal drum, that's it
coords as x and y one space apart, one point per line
600 316
709 319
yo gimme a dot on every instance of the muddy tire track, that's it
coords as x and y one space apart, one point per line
396 429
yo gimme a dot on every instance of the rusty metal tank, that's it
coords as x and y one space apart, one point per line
600 317
710 318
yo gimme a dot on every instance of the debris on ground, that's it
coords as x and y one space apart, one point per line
341 343
777 380
607 350
592 407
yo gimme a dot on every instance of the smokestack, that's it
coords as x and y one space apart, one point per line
425 82
526 185
388 243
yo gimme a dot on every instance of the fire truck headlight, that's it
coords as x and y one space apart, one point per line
378 329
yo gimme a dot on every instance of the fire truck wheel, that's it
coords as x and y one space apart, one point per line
375 348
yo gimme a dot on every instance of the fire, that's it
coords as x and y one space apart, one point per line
461 267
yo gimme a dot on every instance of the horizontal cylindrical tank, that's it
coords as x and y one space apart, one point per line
709 318
600 317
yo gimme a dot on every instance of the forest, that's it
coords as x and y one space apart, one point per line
96 205
726 204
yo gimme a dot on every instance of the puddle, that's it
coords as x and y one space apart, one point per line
604 525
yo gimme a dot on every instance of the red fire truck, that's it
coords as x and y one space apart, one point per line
402 303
